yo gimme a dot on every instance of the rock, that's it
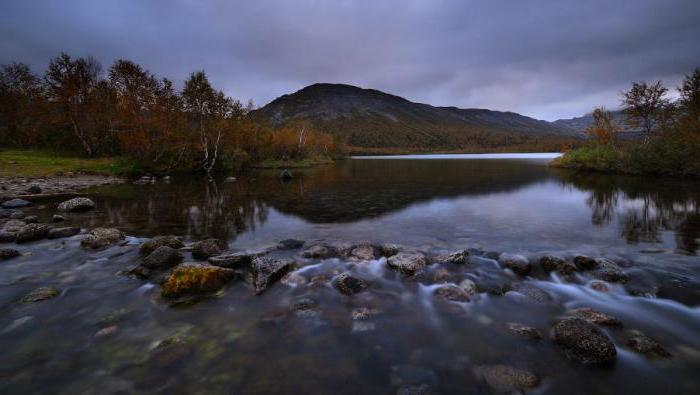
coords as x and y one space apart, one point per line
235 260
268 270
151 245
207 248
317 251
77 204
505 378
290 244
611 275
584 341
162 258
31 219
101 238
16 203
600 286
452 293
31 232
139 271
552 263
195 278
40 294
8 253
34 189
455 257
517 263
416 389
7 237
230 179
524 331
595 317
408 263
58 218
585 262
12 213
647 346
363 313
364 252
533 294
347 284
389 249
57 233
108 331
286 175
442 275
13 225
469 287
304 304
293 279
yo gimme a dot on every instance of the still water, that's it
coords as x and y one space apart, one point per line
237 342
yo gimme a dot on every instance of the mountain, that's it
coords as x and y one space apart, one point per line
373 119
578 125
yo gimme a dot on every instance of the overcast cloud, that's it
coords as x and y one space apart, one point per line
546 59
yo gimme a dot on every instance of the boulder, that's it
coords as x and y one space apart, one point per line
195 278
230 179
40 294
267 271
58 218
207 248
34 189
595 317
585 262
469 287
407 263
31 232
57 233
364 252
16 203
503 378
162 258
348 284
517 263
456 257
286 175
235 260
452 293
101 238
290 244
151 245
646 346
584 341
77 204
533 294
610 271
552 263
524 330
389 249
8 253
31 219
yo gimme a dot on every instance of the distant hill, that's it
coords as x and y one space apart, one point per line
374 119
578 125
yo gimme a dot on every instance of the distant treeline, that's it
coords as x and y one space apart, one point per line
670 129
77 108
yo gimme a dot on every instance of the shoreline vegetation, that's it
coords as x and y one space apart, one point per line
671 143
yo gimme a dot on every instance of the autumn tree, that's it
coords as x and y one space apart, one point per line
644 106
603 129
690 95
21 104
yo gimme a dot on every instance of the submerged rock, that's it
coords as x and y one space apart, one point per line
469 287
595 317
195 278
151 245
290 244
235 260
408 263
8 253
293 279
455 257
318 252
40 294
647 346
524 330
348 284
57 233
517 263
11 213
58 218
77 204
452 293
533 294
16 203
267 270
552 263
207 248
101 238
34 189
389 249
507 378
364 251
600 286
286 175
31 232
584 341
162 258
585 262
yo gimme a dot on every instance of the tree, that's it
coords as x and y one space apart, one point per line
603 129
644 106
690 95
21 102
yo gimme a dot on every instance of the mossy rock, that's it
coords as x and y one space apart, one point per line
194 279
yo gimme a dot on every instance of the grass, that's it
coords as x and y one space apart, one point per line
293 164
28 163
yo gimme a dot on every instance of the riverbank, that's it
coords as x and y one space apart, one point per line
661 157
293 164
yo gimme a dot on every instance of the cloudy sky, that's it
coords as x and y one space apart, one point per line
546 59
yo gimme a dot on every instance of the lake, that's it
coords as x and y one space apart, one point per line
108 332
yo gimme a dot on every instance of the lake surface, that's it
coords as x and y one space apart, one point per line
239 342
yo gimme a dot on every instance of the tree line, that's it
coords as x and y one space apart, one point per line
78 108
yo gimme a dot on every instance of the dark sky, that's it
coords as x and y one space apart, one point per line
547 59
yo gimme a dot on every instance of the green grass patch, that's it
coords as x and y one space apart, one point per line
27 163
293 164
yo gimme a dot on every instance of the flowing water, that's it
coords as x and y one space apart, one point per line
105 331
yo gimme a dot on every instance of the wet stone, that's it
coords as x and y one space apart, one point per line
16 203
102 237
318 252
595 317
600 286
585 262
162 258
40 294
452 293
205 249
584 342
647 346
31 219
290 244
57 233
517 263
389 249
364 252
552 263
151 245
407 263
58 218
455 257
77 204
235 260
347 284
293 279
469 287
266 271
505 378
31 232
524 331
195 278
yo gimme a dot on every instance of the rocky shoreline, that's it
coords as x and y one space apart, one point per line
191 272
26 187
